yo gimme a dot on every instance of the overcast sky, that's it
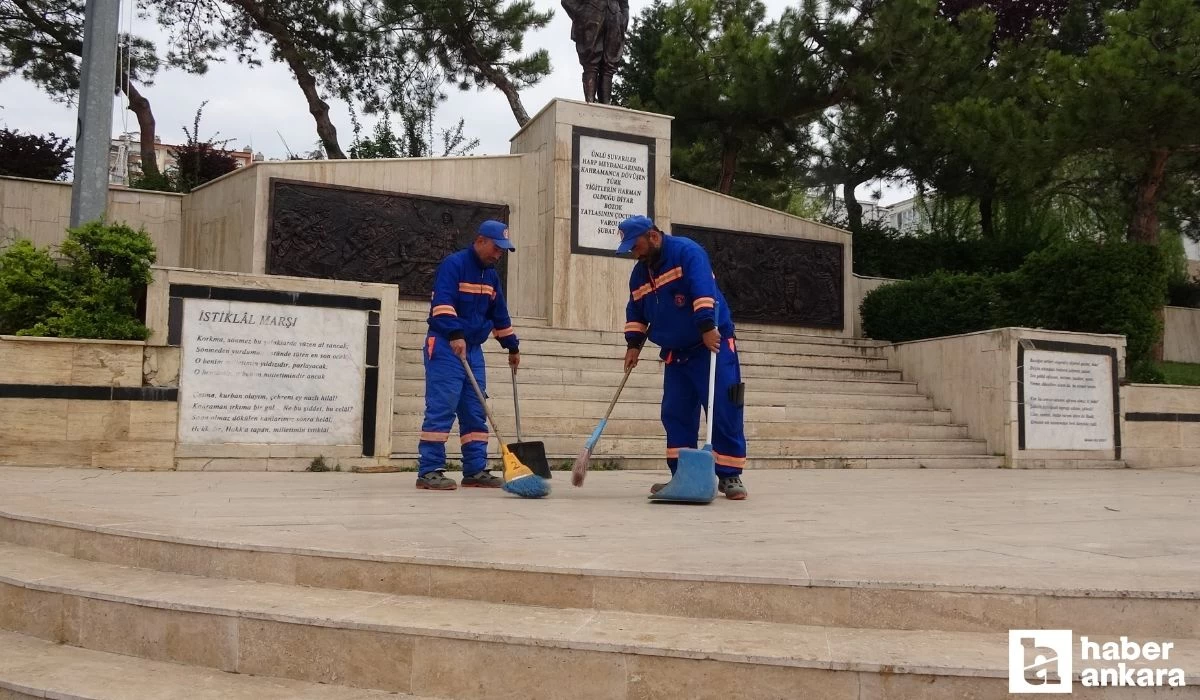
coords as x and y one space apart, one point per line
263 107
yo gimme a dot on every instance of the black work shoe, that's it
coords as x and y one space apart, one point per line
733 488
436 481
483 480
657 487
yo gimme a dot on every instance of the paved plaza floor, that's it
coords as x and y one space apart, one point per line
1017 531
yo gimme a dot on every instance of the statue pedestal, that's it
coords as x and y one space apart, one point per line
597 164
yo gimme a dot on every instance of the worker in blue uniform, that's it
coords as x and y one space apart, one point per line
466 306
674 301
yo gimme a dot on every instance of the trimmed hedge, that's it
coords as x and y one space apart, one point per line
880 251
1085 287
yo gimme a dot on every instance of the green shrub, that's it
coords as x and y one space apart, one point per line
30 283
1083 286
929 307
91 292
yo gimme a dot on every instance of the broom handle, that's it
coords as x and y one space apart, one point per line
482 400
712 382
517 405
618 394
712 387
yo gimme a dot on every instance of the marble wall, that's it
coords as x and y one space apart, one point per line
40 211
991 382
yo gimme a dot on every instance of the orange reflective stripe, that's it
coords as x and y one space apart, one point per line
444 310
703 303
635 327
474 437
668 276
673 452
670 354
656 282
503 332
429 343
434 437
732 345
469 288
727 461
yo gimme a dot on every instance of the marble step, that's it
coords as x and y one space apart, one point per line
589 348
532 428
597 385
583 355
961 598
413 368
404 457
36 668
527 328
620 445
542 410
470 649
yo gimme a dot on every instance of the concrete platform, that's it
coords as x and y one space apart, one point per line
1105 532
896 585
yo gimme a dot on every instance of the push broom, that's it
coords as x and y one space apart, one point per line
579 471
518 478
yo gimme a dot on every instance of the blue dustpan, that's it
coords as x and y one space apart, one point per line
695 478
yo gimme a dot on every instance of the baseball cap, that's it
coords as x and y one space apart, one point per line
632 229
498 232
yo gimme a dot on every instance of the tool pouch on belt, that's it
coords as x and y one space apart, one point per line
737 394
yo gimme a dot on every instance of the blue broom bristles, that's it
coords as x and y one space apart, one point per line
528 486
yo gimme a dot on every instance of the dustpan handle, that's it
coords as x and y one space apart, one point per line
516 405
482 399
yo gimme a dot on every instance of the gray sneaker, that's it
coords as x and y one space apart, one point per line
436 481
733 488
483 480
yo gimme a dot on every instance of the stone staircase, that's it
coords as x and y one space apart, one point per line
103 613
812 401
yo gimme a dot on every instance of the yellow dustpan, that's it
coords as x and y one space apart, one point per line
518 478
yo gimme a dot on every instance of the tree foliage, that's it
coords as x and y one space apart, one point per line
377 52
198 161
42 42
33 156
1133 99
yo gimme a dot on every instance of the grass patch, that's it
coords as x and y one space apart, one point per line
1185 373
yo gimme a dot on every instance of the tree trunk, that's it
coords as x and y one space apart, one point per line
854 210
1144 226
316 106
730 149
140 106
304 78
987 215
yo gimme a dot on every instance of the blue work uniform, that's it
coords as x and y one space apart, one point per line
466 303
675 303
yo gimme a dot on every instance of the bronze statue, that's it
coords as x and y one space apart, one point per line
598 30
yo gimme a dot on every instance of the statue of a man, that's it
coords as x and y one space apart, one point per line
598 30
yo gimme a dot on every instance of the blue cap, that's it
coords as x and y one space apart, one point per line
498 232
631 230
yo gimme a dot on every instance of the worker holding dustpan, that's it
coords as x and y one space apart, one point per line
467 305
674 301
